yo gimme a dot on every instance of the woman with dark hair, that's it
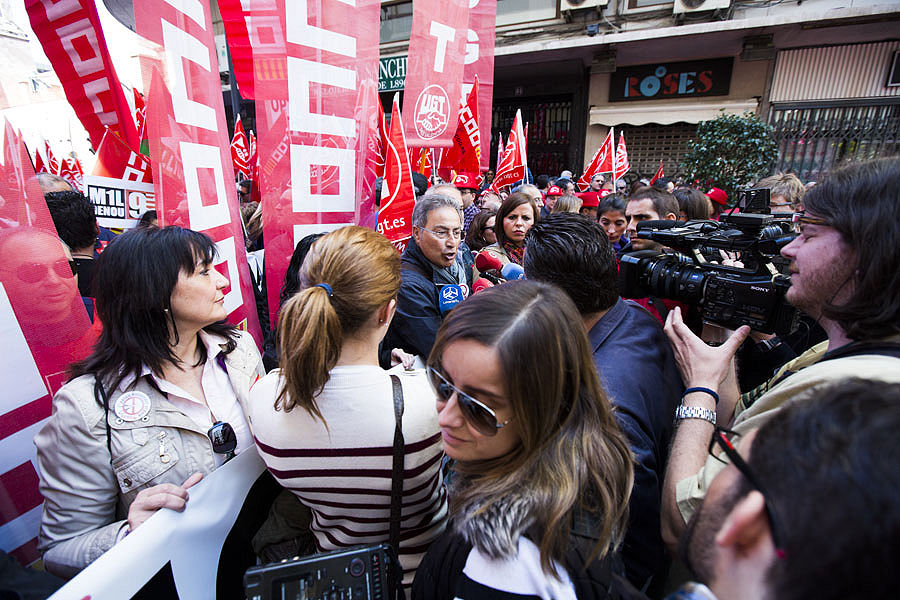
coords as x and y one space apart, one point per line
693 205
128 433
481 231
611 216
324 422
516 216
541 473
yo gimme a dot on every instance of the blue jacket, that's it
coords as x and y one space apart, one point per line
418 316
638 371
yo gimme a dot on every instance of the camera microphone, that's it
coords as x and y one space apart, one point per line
485 261
512 271
449 296
481 284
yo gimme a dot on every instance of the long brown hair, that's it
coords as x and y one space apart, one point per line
363 271
572 456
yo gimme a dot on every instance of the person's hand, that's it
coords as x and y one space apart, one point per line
701 365
398 356
166 495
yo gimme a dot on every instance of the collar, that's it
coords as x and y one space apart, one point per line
213 344
604 327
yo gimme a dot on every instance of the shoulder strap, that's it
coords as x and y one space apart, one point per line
397 478
860 348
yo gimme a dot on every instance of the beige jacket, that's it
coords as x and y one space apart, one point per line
87 495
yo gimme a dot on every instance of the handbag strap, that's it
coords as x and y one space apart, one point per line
100 392
397 467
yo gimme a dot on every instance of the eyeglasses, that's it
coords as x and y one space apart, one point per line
223 439
479 416
444 234
37 272
721 439
801 218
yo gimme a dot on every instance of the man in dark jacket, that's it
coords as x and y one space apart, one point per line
436 275
635 364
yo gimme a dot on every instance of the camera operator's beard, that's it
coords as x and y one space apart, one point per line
818 289
697 547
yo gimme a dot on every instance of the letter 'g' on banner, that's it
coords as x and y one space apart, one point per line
437 48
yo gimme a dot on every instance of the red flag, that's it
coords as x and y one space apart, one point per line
381 143
621 165
602 162
515 159
193 182
659 173
53 164
71 171
140 111
72 38
398 196
240 150
117 161
500 148
465 153
434 71
39 166
235 19
43 328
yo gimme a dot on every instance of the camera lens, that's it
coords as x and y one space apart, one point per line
357 567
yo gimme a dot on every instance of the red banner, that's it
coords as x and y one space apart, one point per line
659 173
479 62
398 196
434 71
515 158
70 33
235 16
621 164
240 150
43 328
319 79
602 162
465 154
192 172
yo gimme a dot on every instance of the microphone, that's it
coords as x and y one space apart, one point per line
481 284
487 262
492 276
449 296
512 271
660 224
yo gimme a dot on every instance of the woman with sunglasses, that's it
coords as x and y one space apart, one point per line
324 422
541 472
128 433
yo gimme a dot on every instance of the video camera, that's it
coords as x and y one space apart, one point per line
730 296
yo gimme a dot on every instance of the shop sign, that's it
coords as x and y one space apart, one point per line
391 74
658 81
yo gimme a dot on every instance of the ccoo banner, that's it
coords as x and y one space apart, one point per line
189 143
435 71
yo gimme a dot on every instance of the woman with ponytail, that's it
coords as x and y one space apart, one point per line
324 421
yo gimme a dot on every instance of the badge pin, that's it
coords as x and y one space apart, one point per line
132 406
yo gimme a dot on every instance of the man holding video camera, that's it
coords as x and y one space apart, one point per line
845 272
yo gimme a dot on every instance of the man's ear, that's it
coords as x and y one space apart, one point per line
747 525
671 217
416 233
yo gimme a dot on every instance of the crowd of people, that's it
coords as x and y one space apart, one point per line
560 440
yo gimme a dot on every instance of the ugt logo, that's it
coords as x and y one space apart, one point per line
432 112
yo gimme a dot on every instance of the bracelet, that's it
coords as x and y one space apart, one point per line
691 390
695 412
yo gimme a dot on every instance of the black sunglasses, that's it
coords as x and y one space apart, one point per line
479 416
35 272
223 439
720 438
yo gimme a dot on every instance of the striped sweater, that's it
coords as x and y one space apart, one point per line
342 472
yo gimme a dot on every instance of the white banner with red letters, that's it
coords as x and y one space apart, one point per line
434 71
71 36
189 142
317 123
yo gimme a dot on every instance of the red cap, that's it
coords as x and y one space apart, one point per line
718 196
554 190
465 181
589 199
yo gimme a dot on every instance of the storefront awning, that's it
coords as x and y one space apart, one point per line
665 114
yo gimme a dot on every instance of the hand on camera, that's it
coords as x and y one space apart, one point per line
166 495
699 363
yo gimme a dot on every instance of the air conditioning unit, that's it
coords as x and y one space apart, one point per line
686 6
565 5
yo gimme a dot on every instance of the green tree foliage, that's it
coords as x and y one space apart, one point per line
729 152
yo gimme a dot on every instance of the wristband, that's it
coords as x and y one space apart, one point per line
695 412
691 390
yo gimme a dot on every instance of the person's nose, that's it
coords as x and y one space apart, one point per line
449 414
789 251
221 281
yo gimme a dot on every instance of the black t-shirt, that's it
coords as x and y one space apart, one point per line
85 276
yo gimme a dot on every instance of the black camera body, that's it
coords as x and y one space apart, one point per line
730 296
362 572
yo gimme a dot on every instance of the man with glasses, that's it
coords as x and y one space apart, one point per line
808 507
845 273
436 274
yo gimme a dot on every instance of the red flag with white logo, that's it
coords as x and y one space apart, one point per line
434 71
465 153
192 172
116 160
602 162
53 163
39 165
515 159
398 196
621 165
72 38
43 328
71 171
659 173
240 150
